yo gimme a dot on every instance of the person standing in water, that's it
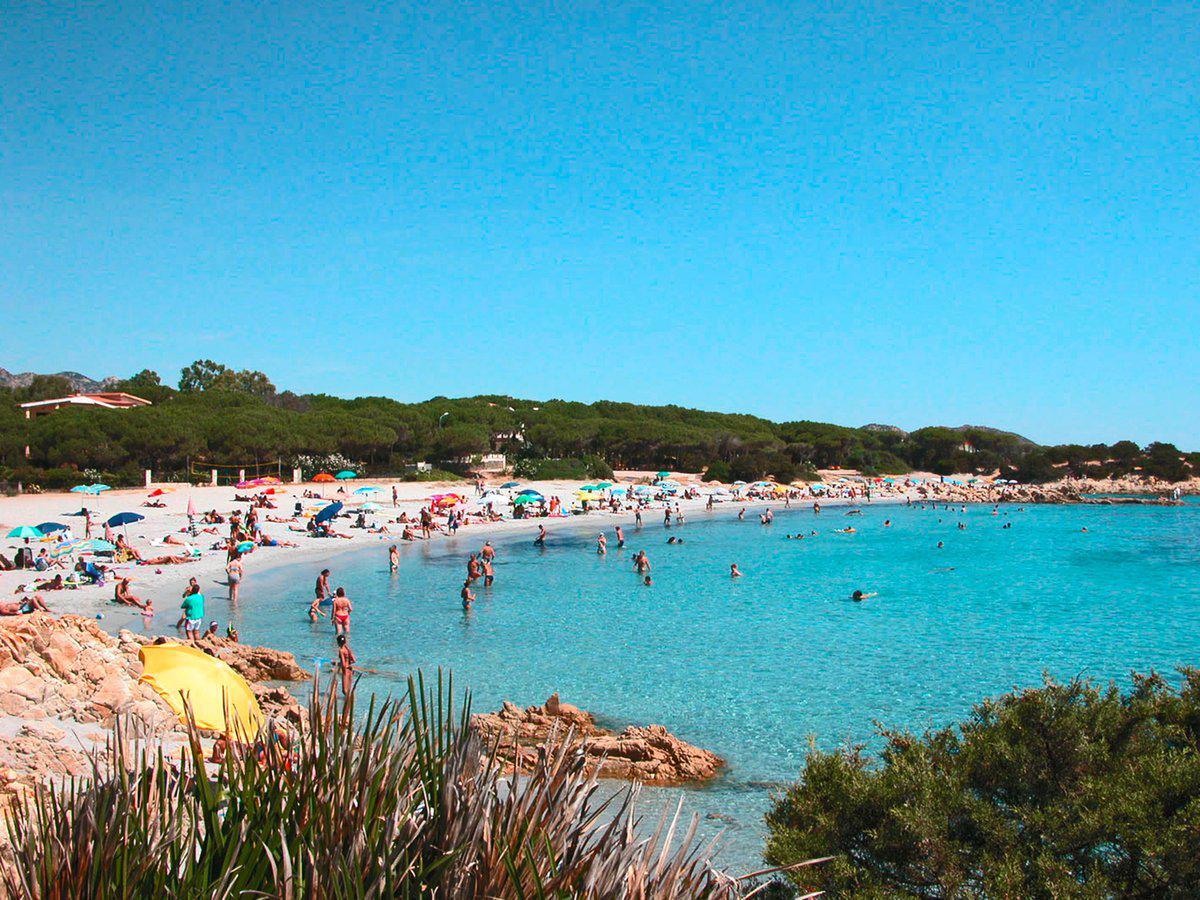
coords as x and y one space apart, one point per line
734 571
342 607
540 540
233 574
489 572
393 556
322 586
467 595
637 518
620 538
346 662
193 613
602 545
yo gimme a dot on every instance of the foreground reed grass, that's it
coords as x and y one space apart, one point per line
405 803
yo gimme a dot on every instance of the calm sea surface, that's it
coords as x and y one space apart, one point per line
753 668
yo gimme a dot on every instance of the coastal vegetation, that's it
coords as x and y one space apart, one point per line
1069 790
224 416
408 802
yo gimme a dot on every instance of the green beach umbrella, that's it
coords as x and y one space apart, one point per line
664 474
25 531
527 498
344 474
604 485
96 545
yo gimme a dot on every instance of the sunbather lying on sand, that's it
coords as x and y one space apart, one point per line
169 560
21 607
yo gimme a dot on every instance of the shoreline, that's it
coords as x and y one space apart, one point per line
163 584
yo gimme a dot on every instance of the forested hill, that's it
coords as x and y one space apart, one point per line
224 416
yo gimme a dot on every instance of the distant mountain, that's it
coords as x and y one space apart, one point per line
79 383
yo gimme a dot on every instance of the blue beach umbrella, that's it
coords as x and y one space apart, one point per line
510 484
530 492
124 518
245 546
367 490
327 513
25 531
345 474
90 489
51 527
370 507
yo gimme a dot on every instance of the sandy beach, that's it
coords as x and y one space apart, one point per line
163 584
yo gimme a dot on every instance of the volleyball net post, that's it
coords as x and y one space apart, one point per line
217 474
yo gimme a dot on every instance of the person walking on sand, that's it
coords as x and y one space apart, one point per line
342 607
395 497
193 613
233 574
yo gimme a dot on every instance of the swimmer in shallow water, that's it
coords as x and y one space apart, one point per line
734 571
859 596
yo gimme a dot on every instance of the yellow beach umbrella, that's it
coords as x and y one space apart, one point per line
211 687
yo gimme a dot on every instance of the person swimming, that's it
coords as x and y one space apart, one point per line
859 596
734 571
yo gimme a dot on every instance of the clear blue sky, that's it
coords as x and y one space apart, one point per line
905 213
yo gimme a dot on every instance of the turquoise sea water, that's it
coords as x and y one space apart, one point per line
752 668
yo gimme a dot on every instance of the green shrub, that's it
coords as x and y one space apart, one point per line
430 475
1069 790
551 469
718 471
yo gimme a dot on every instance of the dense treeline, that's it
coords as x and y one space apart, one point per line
222 416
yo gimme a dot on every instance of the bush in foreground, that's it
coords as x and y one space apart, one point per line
405 804
1069 790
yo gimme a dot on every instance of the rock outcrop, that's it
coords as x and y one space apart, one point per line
649 754
65 682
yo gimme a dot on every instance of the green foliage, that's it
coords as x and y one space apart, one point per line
1070 790
228 417
551 469
406 804
429 475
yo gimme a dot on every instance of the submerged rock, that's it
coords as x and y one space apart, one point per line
649 754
